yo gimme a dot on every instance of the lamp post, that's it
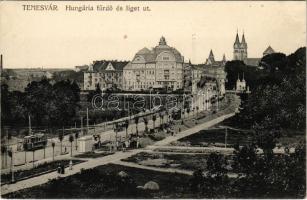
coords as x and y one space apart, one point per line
226 137
12 164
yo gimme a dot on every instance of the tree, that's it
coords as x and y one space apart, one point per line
273 62
197 180
97 91
53 145
71 139
4 154
146 124
280 95
77 136
154 118
66 102
136 121
216 165
37 101
61 137
126 127
266 133
161 118
188 111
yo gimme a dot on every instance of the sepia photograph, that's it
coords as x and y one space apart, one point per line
153 99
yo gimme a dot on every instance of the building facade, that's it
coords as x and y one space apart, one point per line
211 69
108 74
160 67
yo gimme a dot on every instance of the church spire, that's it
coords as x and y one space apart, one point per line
211 57
237 39
243 39
224 58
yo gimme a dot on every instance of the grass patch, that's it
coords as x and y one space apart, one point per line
104 182
216 138
179 161
93 155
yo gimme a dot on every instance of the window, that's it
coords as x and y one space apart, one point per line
165 58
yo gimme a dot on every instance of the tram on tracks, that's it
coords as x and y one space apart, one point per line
34 142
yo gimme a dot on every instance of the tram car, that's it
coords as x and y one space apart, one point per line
34 142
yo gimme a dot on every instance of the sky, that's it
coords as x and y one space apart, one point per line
55 39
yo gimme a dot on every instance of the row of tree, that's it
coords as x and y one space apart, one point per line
278 92
253 175
48 105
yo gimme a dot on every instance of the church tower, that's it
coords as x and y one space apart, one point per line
243 48
237 48
240 48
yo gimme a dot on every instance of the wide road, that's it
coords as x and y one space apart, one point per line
22 157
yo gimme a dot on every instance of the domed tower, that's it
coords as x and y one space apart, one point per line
243 48
162 41
237 48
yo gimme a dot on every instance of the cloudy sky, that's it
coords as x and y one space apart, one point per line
67 39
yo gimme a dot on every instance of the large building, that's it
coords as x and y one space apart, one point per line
160 67
108 74
240 52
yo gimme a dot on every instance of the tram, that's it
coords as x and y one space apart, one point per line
34 142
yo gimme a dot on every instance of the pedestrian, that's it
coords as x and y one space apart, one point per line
65 149
70 165
127 144
59 168
124 147
62 168
137 142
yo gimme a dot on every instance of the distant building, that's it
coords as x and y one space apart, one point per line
160 67
107 74
205 93
18 79
268 51
81 68
240 48
211 69
241 85
240 52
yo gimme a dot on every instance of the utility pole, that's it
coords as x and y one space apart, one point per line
13 179
30 125
81 125
87 120
7 145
